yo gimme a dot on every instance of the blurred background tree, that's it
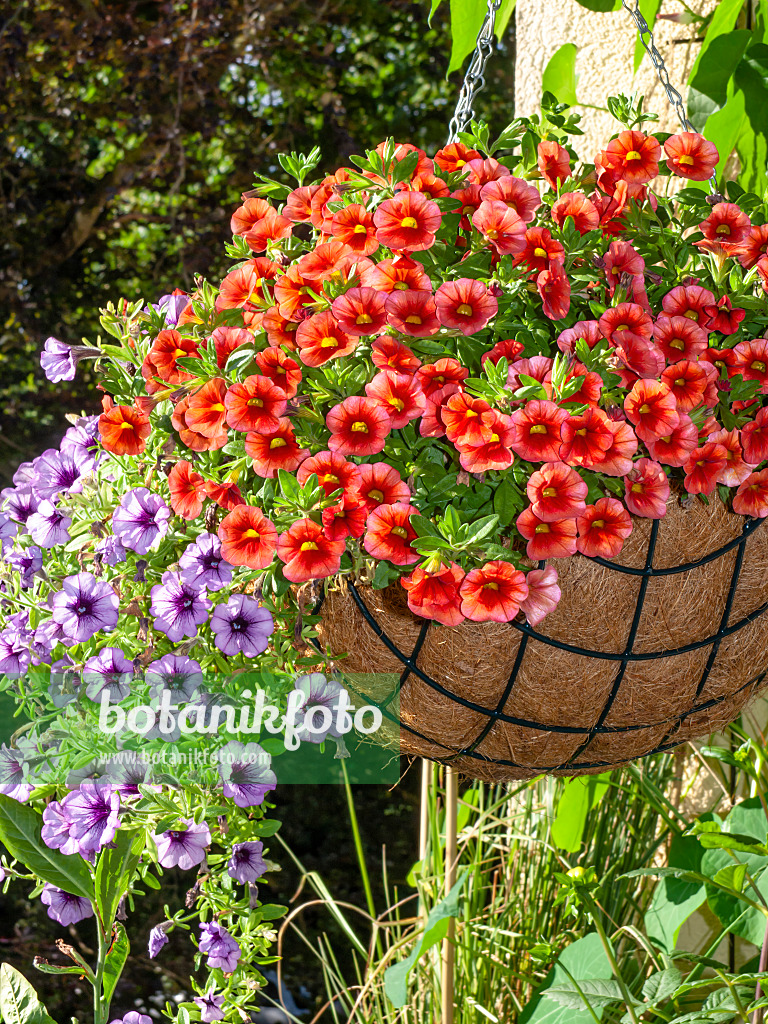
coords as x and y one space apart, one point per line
130 130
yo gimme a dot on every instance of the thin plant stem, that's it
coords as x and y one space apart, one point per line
757 1016
606 944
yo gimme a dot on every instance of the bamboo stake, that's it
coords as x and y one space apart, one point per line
451 813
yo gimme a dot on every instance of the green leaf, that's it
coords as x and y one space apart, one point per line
601 6
733 877
675 899
559 75
467 18
115 871
435 930
18 1000
117 954
506 502
481 529
583 961
708 84
272 911
599 992
580 796
48 968
20 828
661 985
503 15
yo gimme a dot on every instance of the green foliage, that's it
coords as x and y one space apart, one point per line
18 1000
560 76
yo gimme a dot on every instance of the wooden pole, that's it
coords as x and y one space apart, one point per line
451 813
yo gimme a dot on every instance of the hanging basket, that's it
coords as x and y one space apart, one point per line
666 644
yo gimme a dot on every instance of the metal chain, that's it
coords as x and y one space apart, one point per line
474 80
646 38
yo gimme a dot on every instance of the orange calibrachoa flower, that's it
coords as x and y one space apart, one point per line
358 426
434 594
399 274
754 438
247 215
187 490
390 354
675 448
690 155
244 286
407 223
466 420
333 472
278 450
518 195
493 593
454 156
555 291
704 466
278 329
690 301
412 313
726 223
556 491
576 205
298 205
480 172
508 349
618 458
206 413
256 404
603 528
646 490
226 495
547 540
320 338
389 533
381 484
537 431
193 438
247 537
543 594
633 156
736 469
401 398
539 250
360 311
283 371
308 553
753 361
586 438
162 358
226 340
751 499
353 225
678 337
500 225
441 379
295 294
495 453
554 163
465 305
687 381
652 409
271 228
124 430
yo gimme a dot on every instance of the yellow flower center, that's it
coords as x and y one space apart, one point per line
582 432
364 319
409 222
217 408
277 442
464 310
492 585
549 492
492 233
376 495
359 229
179 352
397 403
692 315
358 427
331 478
759 366
400 286
256 402
637 488
328 342
542 528
460 163
645 409
399 531
634 155
623 327
413 319
599 523
250 533
686 160
677 343
722 229
494 438
540 253
538 428
309 545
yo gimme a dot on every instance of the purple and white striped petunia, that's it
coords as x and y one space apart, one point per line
64 907
94 813
19 502
242 626
222 949
201 565
15 655
210 1007
49 526
158 937
141 520
246 773
246 863
133 1017
112 551
171 306
83 439
26 562
59 472
319 692
178 609
8 530
56 828
181 675
59 360
14 771
85 606
108 672
184 848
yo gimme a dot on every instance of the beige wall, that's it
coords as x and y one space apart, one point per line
604 63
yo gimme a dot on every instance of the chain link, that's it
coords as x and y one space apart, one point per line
475 77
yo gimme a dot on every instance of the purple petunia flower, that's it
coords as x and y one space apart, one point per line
181 675
127 775
210 1007
8 529
201 565
94 813
158 937
141 520
112 551
85 606
133 1017
246 863
15 655
56 828
242 626
64 907
83 439
177 608
48 526
223 951
108 672
59 472
19 502
64 683
14 771
246 773
319 692
185 847
58 361
26 562
172 306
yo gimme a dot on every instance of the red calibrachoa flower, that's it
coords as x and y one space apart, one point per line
539 250
162 358
618 458
622 258
295 294
271 228
495 453
736 469
652 409
244 286
753 361
547 540
687 380
465 420
407 223
679 338
493 593
389 533
555 291
413 313
227 339
247 215
480 172
576 205
381 484
333 472
389 353
537 431
278 450
320 338
247 537
554 163
358 426
124 430
646 490
508 349
538 367
556 491
298 205
703 468
360 311
398 395
434 594
187 490
278 329
226 495
628 318
751 499
543 594
308 553
518 195
633 156
500 225
586 438
283 371
726 223
256 404
206 412
400 274
353 225
690 301
320 263
441 379
753 247
754 439
675 448
454 156
587 330
192 438
691 156
603 528
345 519
465 305
723 317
